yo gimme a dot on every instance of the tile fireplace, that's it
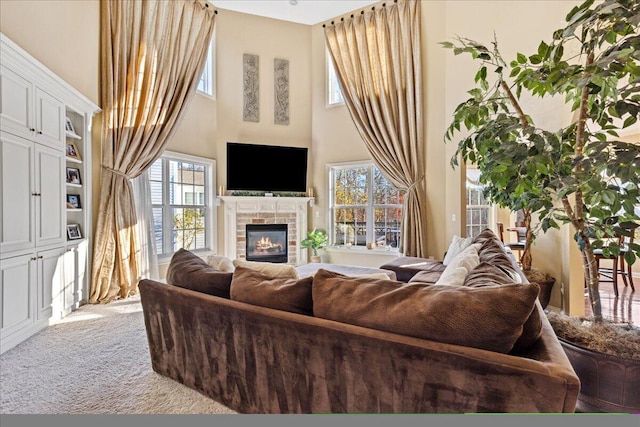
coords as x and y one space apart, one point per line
242 213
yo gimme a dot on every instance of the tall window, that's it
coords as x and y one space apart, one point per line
334 93
479 209
182 196
206 84
364 206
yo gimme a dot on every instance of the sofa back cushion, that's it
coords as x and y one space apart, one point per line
486 274
269 269
255 287
489 318
189 271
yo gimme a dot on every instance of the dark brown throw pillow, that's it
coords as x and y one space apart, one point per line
189 271
254 287
486 274
489 318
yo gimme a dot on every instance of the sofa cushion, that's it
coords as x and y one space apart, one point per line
492 252
269 269
489 275
485 274
254 287
349 270
426 277
189 271
457 245
489 318
407 267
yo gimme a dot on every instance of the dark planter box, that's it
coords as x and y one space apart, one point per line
608 383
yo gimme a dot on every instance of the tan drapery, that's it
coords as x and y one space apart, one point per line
152 56
378 63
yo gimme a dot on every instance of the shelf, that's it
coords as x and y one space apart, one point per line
74 209
72 135
72 160
69 184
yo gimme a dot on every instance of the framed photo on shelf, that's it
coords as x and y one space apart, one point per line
73 201
73 231
68 126
72 151
73 176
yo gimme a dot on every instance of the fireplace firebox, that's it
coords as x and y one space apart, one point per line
267 242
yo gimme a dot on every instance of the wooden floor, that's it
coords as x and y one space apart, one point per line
624 308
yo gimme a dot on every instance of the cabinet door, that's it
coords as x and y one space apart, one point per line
51 202
17 199
69 281
17 292
81 285
49 120
50 283
16 103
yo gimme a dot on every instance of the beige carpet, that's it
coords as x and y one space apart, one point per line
94 361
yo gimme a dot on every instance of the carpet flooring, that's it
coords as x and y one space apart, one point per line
94 361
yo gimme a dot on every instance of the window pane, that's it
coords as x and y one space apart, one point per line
157 229
176 196
387 226
155 171
188 226
156 192
350 226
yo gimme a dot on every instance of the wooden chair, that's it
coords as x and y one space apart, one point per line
618 265
514 246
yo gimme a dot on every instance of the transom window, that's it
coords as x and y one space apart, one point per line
181 195
364 207
206 84
334 93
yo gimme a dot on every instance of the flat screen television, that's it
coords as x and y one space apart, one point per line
269 168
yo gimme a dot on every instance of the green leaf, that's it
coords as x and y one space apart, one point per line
522 59
535 59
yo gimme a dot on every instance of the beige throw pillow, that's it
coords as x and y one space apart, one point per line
458 244
269 269
220 263
459 266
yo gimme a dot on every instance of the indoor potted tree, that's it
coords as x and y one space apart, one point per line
316 240
582 174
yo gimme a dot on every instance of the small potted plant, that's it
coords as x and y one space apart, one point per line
316 239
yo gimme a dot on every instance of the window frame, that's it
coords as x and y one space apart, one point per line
490 207
210 204
209 72
369 208
329 85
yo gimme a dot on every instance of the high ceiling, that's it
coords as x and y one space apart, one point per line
308 12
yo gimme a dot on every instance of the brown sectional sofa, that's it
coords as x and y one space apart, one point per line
332 343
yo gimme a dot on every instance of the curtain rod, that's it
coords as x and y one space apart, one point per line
361 13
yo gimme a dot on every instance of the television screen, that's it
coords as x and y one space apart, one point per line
254 167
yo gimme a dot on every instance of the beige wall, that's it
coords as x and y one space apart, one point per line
64 36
